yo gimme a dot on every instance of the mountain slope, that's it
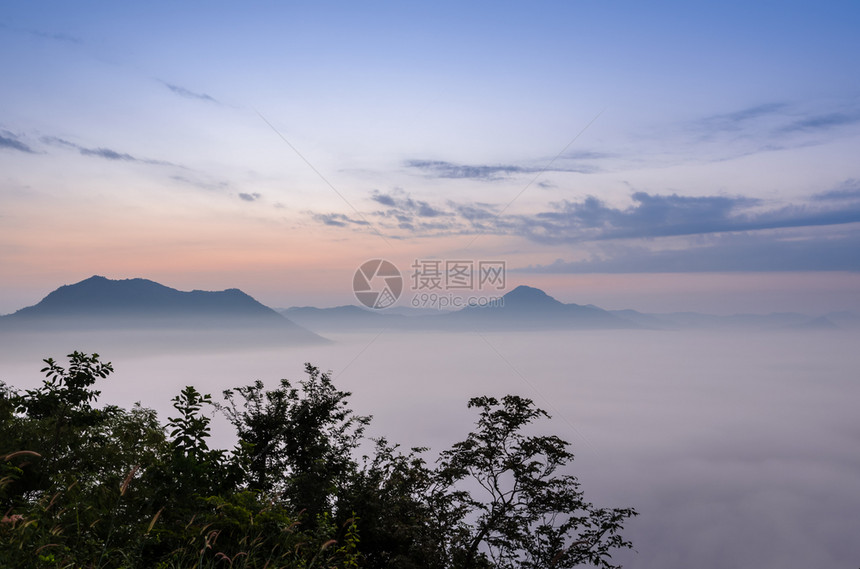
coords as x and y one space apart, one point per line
98 303
524 308
530 308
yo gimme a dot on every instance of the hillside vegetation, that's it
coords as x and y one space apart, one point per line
90 486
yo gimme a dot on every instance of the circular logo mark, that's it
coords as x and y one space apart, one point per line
377 283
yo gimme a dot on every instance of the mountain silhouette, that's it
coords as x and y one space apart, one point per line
98 303
820 323
229 316
99 296
523 308
530 298
530 308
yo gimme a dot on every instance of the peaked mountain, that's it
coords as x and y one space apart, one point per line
524 308
98 303
99 296
530 297
527 307
530 308
820 323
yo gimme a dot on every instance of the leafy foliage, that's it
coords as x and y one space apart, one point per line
409 518
527 515
95 487
194 468
296 441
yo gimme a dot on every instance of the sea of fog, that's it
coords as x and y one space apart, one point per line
739 449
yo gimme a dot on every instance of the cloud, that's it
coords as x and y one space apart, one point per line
655 233
742 118
731 253
384 199
442 169
777 125
401 214
821 122
201 183
249 197
653 216
848 190
9 140
337 220
587 155
475 212
404 206
451 170
55 141
591 219
183 92
106 153
649 216
55 36
770 126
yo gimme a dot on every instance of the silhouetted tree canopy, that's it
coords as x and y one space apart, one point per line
105 487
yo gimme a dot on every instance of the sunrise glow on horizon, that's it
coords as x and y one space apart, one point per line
630 229
668 157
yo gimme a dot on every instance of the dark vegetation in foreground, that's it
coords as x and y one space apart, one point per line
83 486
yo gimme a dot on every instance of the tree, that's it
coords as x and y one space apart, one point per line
118 494
59 422
526 514
296 442
409 518
195 468
499 499
108 487
68 470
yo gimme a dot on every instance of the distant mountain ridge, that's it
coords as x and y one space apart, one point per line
98 303
530 308
138 304
523 308
527 307
99 296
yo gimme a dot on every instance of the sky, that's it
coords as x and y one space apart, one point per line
661 156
